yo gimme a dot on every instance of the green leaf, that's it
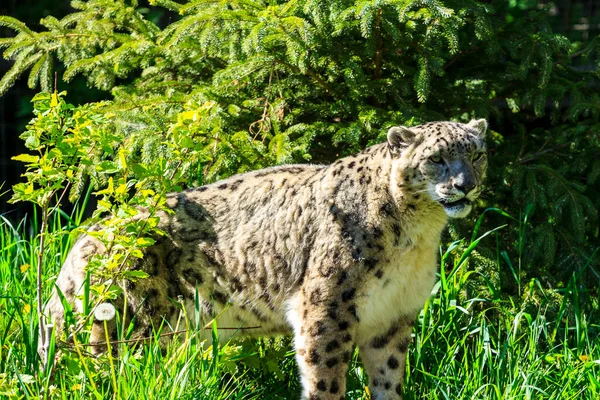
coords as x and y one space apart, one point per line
26 158
145 241
135 274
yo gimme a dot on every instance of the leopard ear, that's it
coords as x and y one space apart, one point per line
400 136
480 125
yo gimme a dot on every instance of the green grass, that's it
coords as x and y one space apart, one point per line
472 341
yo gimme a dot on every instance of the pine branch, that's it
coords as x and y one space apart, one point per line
15 25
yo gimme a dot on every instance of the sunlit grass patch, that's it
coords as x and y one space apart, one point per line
471 341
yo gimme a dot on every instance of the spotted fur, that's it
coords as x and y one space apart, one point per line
340 256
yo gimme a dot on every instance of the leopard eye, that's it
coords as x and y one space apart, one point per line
436 159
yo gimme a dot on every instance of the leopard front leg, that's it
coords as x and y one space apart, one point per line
324 322
384 357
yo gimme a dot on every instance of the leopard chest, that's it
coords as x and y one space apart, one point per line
401 290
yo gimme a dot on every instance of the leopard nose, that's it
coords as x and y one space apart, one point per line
464 186
463 179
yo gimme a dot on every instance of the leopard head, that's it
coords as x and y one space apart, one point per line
445 160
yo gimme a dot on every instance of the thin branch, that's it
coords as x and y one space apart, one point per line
65 190
537 155
380 46
149 338
310 73
44 340
460 54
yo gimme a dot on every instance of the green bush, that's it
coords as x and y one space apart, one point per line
228 86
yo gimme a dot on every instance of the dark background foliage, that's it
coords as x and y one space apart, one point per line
530 67
16 107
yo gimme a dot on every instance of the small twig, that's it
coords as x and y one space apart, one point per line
311 74
577 53
59 200
149 338
380 47
264 123
40 260
534 156
457 57
46 345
